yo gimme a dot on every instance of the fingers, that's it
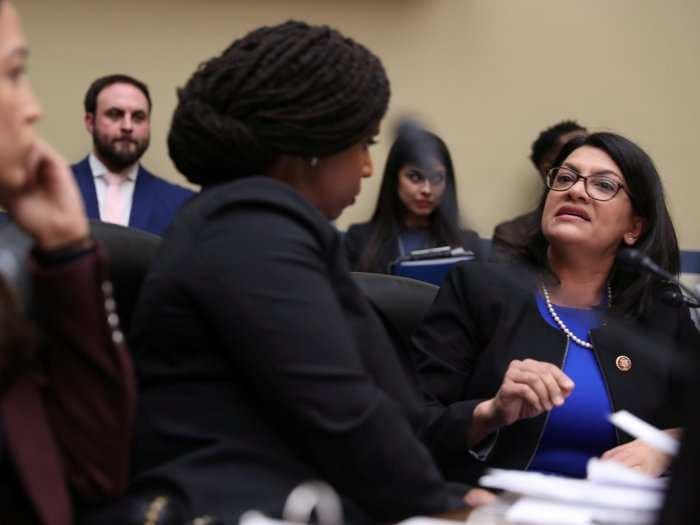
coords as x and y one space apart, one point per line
511 390
563 382
479 497
548 383
45 161
640 456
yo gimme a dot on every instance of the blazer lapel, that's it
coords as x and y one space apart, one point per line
86 183
142 203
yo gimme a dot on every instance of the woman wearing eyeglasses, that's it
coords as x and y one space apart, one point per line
534 364
416 209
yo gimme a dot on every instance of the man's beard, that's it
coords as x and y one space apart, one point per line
118 159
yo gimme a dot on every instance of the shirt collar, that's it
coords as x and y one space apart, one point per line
99 169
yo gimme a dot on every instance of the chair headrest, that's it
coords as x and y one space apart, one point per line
401 301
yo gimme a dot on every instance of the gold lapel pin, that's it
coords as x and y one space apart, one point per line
623 363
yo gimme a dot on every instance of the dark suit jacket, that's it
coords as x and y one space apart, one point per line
358 235
511 236
263 366
154 204
485 316
682 505
68 424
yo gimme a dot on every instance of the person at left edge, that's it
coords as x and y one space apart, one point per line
67 389
115 187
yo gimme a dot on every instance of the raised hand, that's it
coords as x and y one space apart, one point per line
529 388
48 205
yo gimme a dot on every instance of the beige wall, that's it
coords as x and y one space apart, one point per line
487 75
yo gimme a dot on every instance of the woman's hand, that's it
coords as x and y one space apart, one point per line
479 497
640 456
48 206
529 388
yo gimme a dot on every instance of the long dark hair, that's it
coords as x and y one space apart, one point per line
389 214
632 291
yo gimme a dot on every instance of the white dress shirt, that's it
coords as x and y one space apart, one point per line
127 188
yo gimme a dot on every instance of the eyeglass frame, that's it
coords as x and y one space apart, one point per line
620 185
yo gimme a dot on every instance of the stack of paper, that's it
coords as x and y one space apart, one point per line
612 493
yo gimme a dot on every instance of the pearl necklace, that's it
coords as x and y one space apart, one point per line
561 324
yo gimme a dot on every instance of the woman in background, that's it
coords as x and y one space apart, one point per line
416 209
66 401
534 364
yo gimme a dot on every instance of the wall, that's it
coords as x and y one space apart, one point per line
487 75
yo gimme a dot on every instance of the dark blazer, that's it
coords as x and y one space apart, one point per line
155 201
511 236
358 235
682 505
263 366
485 316
68 423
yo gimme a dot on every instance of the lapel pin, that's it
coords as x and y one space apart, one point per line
623 363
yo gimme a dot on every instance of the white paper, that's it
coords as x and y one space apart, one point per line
556 488
543 512
643 431
612 473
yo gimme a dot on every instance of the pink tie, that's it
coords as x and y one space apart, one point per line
113 208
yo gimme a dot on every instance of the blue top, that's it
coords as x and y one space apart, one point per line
411 239
579 429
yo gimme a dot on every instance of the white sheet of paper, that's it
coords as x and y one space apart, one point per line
541 512
529 510
643 431
612 473
556 488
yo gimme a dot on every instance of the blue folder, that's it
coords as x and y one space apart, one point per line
432 270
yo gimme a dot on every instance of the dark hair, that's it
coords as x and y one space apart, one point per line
101 83
291 89
548 141
632 291
389 213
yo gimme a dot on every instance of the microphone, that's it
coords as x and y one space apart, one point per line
636 260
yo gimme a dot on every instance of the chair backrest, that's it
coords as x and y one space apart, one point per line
401 302
130 254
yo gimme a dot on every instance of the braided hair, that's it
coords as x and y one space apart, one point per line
291 89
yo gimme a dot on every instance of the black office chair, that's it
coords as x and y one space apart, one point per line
130 254
401 303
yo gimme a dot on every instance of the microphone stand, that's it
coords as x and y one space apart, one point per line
636 260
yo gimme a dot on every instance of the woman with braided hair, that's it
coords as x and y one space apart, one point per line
262 365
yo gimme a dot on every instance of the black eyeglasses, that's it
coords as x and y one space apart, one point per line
598 187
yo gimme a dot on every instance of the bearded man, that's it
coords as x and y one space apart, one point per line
114 186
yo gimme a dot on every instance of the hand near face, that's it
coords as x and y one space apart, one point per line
48 205
639 456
